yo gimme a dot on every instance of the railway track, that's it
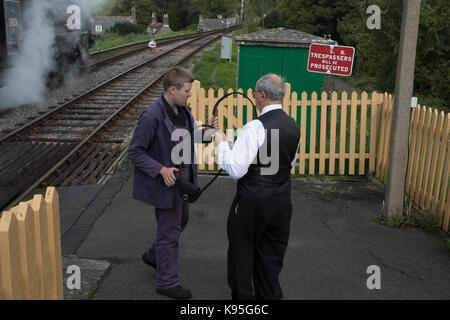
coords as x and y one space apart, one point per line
76 143
107 57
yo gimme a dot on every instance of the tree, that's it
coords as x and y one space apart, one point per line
377 50
144 9
213 8
318 17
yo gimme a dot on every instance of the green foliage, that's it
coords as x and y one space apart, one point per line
225 76
124 28
204 67
181 12
106 8
415 218
396 222
418 219
377 50
226 71
213 8
318 17
329 189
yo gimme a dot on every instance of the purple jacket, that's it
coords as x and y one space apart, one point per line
150 149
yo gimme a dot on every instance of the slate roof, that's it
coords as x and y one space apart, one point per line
212 24
279 37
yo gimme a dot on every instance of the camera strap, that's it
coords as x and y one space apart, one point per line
214 113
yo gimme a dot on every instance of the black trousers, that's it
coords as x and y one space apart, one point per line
258 233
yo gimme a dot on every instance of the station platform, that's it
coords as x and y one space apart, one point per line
334 241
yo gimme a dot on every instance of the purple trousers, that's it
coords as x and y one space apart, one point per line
170 224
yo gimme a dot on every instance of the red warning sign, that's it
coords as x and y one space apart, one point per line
337 60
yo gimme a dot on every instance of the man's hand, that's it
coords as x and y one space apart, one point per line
220 137
168 176
214 122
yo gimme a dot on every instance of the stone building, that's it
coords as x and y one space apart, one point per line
157 27
213 24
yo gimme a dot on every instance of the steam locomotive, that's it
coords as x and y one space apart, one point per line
70 23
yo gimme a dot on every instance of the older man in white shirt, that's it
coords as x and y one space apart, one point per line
259 219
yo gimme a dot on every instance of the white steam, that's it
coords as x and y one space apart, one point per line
25 82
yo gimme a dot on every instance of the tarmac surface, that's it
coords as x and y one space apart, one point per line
334 241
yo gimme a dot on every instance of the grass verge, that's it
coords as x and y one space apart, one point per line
225 76
418 219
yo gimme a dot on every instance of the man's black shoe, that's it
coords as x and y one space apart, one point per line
177 292
148 261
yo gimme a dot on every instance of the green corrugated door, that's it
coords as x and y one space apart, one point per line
294 70
291 63
254 62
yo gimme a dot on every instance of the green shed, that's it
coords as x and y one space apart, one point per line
281 51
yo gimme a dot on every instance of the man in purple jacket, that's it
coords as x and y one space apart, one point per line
155 174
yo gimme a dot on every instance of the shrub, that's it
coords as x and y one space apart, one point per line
124 28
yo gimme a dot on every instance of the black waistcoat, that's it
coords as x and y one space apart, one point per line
264 177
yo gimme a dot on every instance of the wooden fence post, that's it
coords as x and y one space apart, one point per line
42 246
313 134
352 150
343 133
201 118
374 130
323 131
25 217
362 133
54 235
250 107
11 283
434 159
294 104
426 174
303 114
193 100
333 124
445 160
287 101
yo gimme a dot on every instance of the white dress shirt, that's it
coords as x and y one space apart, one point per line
236 161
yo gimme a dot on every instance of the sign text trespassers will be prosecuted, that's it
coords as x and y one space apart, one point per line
337 60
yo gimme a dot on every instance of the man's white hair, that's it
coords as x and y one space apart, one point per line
273 85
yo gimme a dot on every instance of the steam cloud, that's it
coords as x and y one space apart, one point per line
25 81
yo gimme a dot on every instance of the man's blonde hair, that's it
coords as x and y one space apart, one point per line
177 77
